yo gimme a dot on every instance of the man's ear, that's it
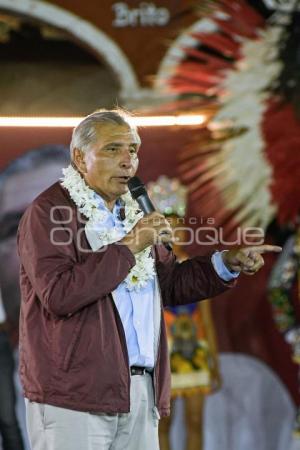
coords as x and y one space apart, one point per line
79 160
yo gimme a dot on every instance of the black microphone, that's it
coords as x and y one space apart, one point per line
139 193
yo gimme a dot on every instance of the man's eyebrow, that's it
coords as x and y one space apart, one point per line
120 144
116 144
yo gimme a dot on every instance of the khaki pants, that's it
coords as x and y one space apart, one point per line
54 428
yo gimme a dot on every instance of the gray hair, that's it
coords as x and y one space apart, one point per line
87 131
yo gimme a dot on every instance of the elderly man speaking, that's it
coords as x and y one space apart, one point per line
94 277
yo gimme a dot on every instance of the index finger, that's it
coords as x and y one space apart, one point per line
265 249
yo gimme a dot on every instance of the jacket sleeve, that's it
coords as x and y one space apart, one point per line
189 281
62 284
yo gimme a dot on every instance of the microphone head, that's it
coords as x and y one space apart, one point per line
136 187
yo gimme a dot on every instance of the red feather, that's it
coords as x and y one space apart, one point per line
240 10
222 44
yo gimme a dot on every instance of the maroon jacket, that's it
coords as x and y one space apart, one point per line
72 344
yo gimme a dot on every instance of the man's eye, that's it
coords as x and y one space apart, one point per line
133 150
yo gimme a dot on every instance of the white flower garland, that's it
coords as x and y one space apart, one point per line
86 202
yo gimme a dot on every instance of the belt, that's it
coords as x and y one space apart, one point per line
138 370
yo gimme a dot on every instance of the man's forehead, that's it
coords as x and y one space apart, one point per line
116 133
20 189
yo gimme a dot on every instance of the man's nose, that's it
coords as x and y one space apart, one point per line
126 159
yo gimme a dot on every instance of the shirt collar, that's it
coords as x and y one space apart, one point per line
103 207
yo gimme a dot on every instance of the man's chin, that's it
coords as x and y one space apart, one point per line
123 190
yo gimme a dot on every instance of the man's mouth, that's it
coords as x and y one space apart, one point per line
123 179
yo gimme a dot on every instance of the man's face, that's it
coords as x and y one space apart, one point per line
109 162
17 193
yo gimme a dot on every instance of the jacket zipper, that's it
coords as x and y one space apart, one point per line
158 342
124 345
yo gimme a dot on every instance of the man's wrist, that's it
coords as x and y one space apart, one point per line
227 264
129 242
222 270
